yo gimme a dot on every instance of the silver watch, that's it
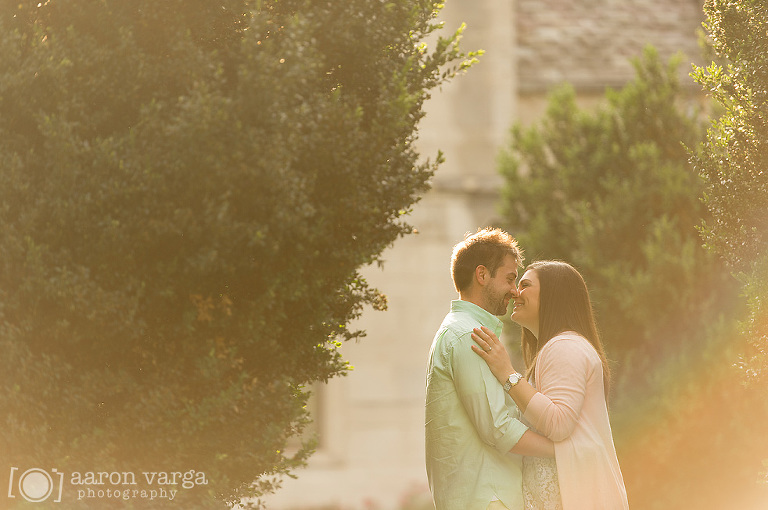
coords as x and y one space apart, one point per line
513 379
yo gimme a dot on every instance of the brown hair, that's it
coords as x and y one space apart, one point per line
486 247
564 305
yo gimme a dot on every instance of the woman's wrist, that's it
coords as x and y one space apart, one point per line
512 380
503 375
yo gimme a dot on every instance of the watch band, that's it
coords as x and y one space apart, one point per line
512 380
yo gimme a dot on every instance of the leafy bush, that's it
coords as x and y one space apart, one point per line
187 189
733 165
733 160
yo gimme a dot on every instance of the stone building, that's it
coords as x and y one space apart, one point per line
370 424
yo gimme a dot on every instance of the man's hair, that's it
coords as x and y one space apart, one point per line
486 247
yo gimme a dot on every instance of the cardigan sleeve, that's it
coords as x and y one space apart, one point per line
563 368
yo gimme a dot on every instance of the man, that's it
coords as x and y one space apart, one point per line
473 438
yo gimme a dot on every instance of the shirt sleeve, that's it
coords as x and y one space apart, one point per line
562 371
484 399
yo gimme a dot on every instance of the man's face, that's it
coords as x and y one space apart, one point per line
501 288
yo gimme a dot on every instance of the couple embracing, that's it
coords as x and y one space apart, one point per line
497 439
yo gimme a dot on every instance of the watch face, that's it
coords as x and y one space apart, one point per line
512 380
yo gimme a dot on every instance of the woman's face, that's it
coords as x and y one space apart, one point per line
526 311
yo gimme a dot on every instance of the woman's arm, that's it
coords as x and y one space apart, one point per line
530 444
563 369
492 350
561 376
534 445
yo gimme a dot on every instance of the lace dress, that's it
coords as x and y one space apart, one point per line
541 490
540 487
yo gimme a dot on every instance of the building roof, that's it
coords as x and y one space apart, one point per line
590 43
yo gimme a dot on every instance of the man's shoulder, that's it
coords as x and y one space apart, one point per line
456 328
459 323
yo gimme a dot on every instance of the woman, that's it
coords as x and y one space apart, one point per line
563 393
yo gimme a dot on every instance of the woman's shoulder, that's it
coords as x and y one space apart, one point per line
568 336
570 342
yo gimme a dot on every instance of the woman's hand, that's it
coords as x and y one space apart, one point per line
493 352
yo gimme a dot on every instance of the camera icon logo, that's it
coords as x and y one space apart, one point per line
36 485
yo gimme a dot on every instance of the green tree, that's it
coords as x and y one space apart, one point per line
733 162
734 159
611 190
187 191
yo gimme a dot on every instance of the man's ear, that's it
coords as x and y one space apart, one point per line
481 275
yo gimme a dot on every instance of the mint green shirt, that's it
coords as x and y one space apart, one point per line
471 423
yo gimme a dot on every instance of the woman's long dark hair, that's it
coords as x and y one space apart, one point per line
564 305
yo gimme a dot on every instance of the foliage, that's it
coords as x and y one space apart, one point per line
611 191
734 159
733 164
187 189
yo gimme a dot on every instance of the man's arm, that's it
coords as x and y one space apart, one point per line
534 445
483 399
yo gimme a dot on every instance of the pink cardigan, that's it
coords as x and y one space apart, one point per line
570 409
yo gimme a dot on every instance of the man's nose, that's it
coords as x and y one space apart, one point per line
514 292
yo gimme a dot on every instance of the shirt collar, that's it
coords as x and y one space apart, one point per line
482 315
